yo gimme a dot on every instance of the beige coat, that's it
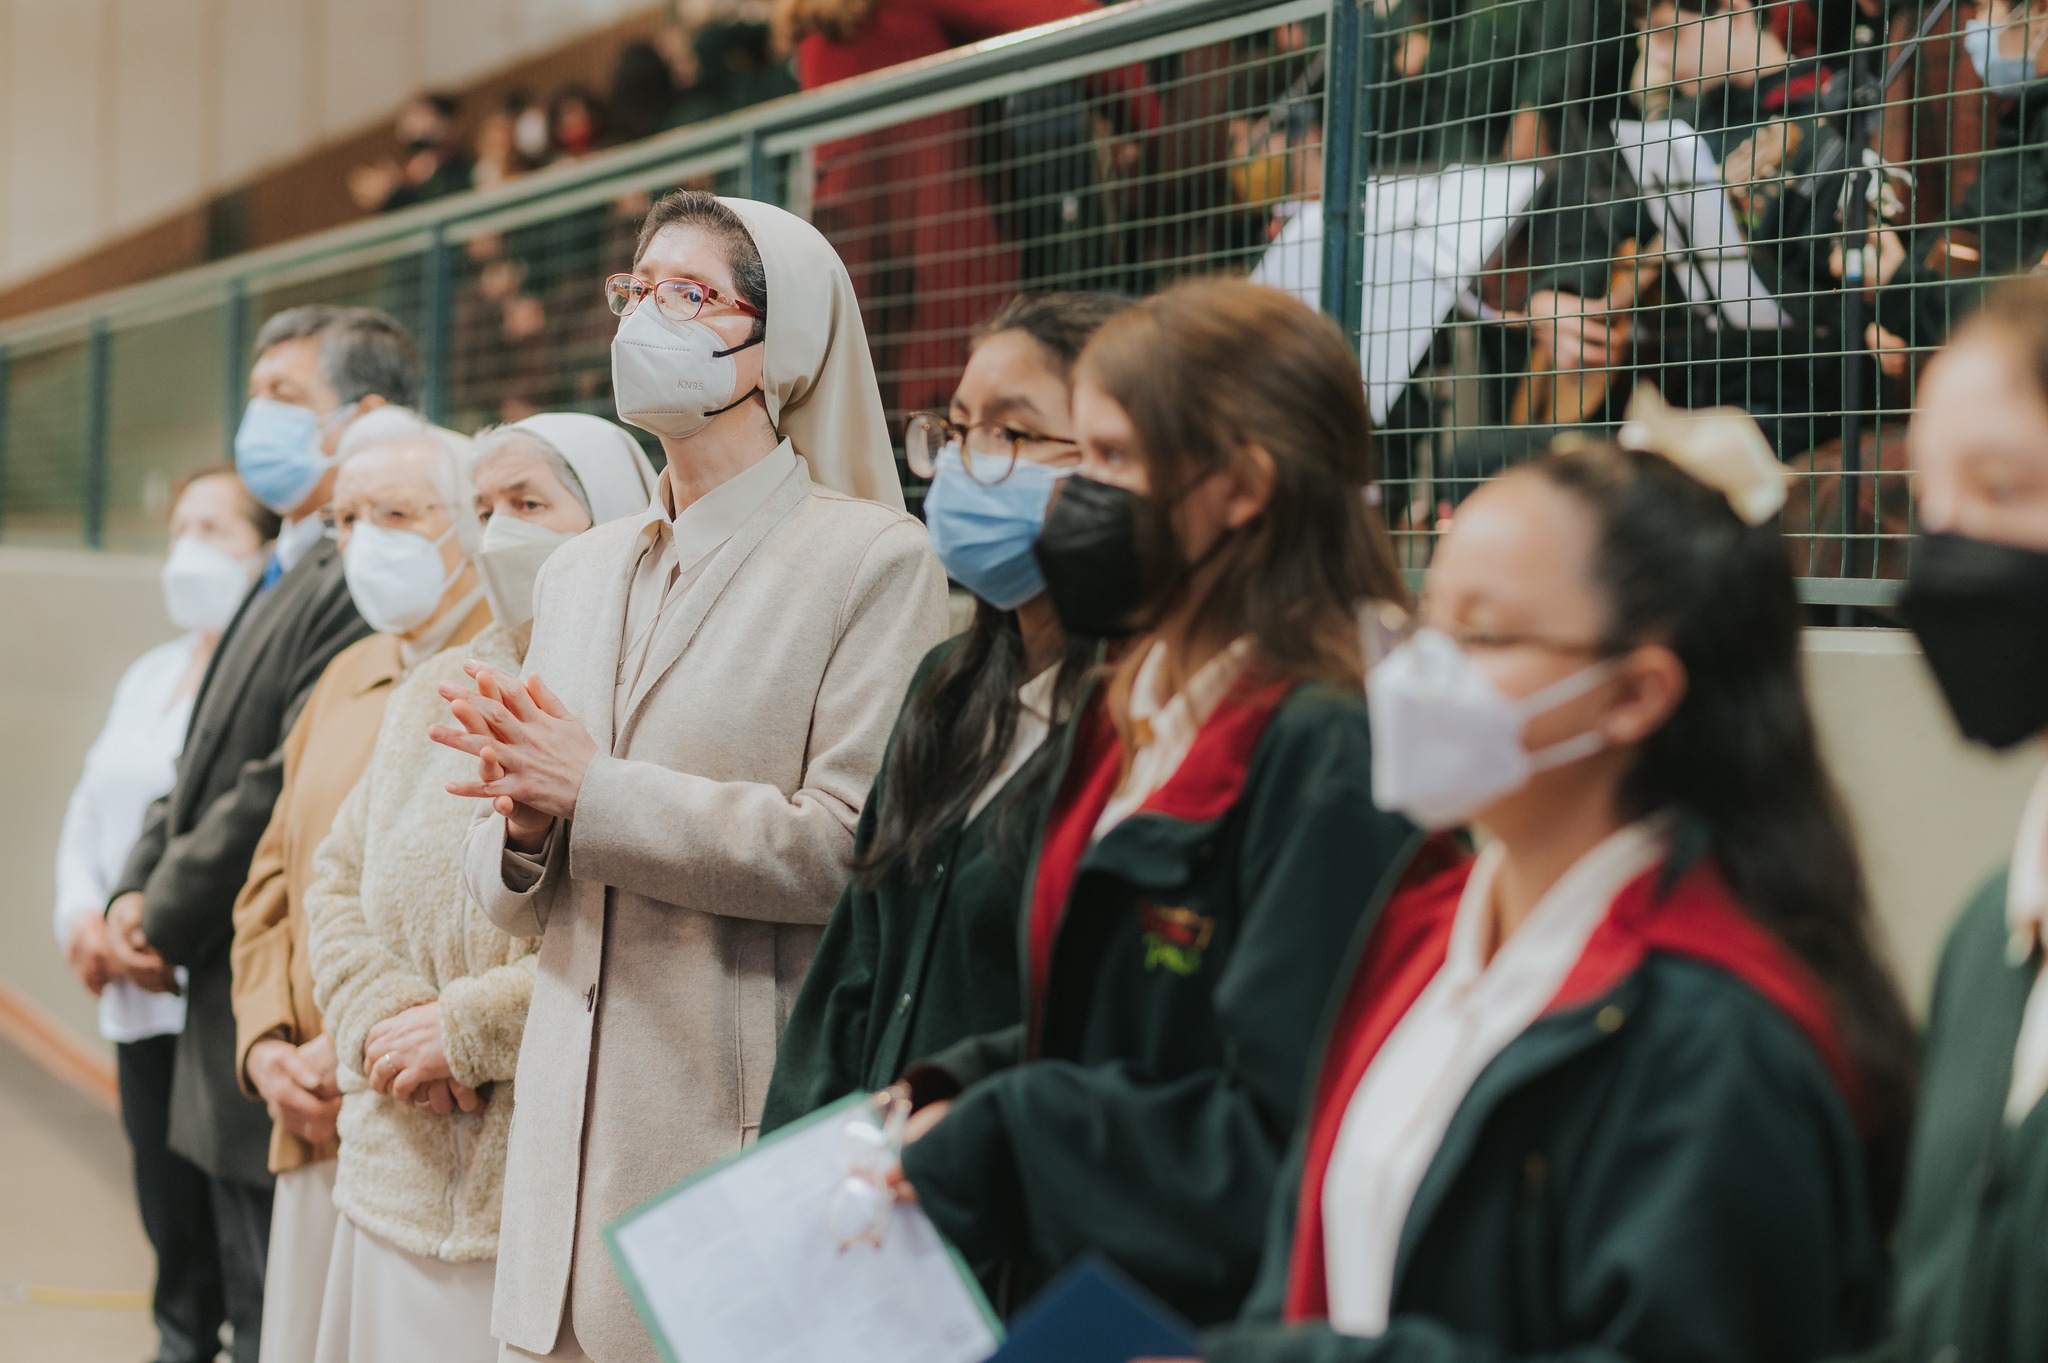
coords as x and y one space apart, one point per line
272 990
711 838
323 755
390 926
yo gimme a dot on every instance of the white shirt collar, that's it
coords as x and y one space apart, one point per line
710 521
294 538
1035 696
1395 1120
1169 720
1558 927
1166 726
2026 881
2026 904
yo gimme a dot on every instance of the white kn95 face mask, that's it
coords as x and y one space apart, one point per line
672 378
396 576
1446 743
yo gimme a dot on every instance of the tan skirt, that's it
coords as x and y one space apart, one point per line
302 1218
386 1306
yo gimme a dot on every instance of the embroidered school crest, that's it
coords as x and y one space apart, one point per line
1174 938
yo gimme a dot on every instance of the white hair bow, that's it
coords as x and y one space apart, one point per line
1720 446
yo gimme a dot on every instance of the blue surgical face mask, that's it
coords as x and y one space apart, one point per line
277 452
983 532
2001 73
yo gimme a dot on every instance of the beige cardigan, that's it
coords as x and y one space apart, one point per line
711 838
389 926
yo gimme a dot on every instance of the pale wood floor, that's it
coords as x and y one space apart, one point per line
67 1220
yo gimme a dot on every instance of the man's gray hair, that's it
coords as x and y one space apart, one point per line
362 351
496 440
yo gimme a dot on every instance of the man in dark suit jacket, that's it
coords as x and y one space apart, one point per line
316 370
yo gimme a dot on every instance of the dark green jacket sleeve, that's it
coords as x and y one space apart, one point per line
192 887
966 1063
820 1057
1712 1210
1172 1179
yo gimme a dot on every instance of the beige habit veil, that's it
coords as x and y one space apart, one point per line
617 478
818 378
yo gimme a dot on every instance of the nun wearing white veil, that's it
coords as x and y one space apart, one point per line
675 782
425 999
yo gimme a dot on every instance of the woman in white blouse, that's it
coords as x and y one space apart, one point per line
218 537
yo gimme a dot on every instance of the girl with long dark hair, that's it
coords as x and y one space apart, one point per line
921 950
1631 1084
1213 842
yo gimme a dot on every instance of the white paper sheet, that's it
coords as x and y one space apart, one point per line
737 1266
1683 192
1426 238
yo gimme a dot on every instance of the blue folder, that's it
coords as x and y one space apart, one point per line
1094 1314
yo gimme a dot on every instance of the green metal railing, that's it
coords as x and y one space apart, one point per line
1487 159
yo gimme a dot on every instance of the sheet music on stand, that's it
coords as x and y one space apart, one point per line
737 1265
1686 198
1427 237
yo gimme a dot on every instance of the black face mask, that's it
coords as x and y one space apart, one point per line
1980 611
1094 573
1088 551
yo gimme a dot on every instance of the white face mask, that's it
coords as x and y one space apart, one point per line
203 585
396 576
2003 73
671 378
1446 743
508 559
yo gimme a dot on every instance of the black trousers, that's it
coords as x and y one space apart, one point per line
241 1217
176 1200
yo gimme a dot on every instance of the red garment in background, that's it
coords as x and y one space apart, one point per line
905 206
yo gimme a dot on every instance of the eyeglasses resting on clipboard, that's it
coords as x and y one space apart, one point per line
871 1139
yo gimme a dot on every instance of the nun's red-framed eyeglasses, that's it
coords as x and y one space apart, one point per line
680 300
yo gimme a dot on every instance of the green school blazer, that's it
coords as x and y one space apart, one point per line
1973 1243
1666 1170
908 968
1659 1169
1184 990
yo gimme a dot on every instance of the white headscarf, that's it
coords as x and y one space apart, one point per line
616 476
817 377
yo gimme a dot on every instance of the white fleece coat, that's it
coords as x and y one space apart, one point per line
390 926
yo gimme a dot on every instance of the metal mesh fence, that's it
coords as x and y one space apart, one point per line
1121 178
1778 205
42 482
527 326
1533 207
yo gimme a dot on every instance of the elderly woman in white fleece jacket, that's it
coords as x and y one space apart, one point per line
425 999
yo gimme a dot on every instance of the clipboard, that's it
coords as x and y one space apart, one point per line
735 1264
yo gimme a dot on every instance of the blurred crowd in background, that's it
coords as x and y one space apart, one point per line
707 58
1121 180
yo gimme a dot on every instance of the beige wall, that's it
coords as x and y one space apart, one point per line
72 622
114 113
1933 815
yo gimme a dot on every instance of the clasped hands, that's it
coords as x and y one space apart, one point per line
297 1084
120 951
405 1059
531 752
